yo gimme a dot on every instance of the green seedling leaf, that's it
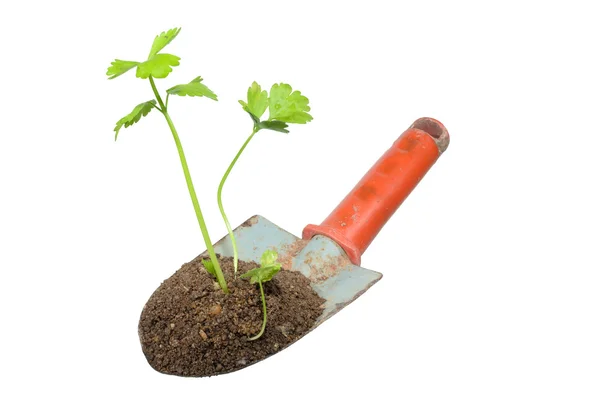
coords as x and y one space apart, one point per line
261 274
162 40
253 275
159 66
268 258
268 268
119 67
136 114
253 117
288 106
274 125
193 88
258 101
209 266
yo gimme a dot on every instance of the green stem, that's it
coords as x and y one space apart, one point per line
264 304
220 202
190 185
157 95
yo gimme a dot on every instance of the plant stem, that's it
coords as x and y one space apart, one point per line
220 202
190 185
157 95
264 305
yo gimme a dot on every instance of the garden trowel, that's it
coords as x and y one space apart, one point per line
329 254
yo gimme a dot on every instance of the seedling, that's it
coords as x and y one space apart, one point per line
160 65
285 106
268 268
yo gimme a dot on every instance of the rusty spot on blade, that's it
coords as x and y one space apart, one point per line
250 221
289 252
324 267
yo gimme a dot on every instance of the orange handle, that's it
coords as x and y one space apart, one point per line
360 216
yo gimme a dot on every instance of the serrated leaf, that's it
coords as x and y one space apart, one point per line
288 106
119 67
245 107
274 125
258 101
262 274
193 88
253 275
209 266
268 268
162 40
268 258
159 66
136 114
267 273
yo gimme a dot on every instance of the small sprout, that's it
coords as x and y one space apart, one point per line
208 265
285 106
269 267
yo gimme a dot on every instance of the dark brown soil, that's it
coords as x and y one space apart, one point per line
189 327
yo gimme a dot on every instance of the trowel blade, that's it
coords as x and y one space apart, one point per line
332 276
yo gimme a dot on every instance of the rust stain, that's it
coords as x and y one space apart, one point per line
251 221
288 252
322 268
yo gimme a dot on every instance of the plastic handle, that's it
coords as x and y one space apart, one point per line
357 220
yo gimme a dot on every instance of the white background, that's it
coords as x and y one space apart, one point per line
491 267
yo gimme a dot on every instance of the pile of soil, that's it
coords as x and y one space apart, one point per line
189 327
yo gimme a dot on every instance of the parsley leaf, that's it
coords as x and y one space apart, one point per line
136 114
285 106
288 106
258 101
162 40
268 268
274 125
193 88
261 274
119 67
159 66
268 258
